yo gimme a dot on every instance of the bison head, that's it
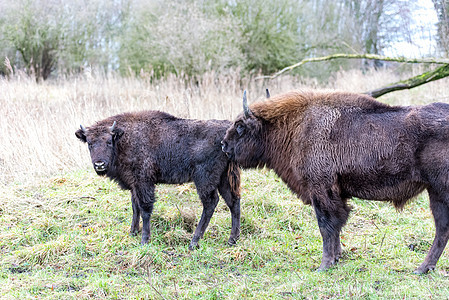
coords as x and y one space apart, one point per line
243 140
102 145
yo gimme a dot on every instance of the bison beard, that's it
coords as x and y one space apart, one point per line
142 149
331 146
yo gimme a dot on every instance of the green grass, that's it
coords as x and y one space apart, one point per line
67 237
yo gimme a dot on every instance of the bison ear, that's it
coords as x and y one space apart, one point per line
117 133
81 134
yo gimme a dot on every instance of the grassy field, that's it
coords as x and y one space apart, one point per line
67 237
64 230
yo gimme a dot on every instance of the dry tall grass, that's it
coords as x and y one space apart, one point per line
38 121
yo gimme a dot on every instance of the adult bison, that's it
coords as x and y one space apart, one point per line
139 150
331 146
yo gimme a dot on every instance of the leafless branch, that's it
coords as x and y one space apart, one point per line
356 56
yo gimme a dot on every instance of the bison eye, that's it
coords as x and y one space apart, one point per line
240 129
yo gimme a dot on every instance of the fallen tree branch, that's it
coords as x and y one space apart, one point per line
356 56
150 283
423 78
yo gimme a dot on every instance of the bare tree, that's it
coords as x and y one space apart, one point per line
442 9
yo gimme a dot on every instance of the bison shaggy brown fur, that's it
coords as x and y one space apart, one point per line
331 146
139 150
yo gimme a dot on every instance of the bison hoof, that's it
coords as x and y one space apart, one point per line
422 271
326 266
193 246
322 269
232 242
144 240
131 233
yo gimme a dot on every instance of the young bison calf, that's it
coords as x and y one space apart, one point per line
139 150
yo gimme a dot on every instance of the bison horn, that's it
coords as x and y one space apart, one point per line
268 93
246 109
111 129
82 128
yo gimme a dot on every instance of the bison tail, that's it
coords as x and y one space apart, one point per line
234 178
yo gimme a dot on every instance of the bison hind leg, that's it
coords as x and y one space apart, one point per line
209 201
439 204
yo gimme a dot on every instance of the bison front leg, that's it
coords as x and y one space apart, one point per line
209 201
440 211
331 215
145 200
136 215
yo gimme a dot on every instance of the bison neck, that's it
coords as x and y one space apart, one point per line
120 175
279 151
